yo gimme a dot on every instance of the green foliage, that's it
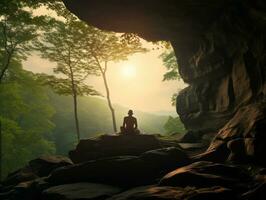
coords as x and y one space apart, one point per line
171 65
63 86
64 45
25 116
107 46
174 125
19 28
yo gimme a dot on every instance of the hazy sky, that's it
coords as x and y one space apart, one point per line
135 83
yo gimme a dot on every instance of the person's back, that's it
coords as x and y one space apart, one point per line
130 124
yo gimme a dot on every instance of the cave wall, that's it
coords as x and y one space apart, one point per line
225 69
220 47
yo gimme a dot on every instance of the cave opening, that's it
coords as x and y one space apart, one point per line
220 47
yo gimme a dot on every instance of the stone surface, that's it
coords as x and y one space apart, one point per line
242 139
124 171
169 168
43 165
162 193
117 145
207 174
80 191
36 168
257 193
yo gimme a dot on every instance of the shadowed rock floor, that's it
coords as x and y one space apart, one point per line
160 170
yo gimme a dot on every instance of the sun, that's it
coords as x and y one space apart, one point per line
128 71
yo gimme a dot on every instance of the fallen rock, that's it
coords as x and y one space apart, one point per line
22 175
43 165
207 174
165 192
117 145
80 191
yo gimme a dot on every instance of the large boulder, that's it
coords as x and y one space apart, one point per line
124 171
39 167
28 182
117 145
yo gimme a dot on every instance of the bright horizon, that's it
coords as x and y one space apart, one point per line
135 83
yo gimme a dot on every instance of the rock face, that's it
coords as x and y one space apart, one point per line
220 46
242 139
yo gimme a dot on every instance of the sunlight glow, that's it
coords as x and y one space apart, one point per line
128 71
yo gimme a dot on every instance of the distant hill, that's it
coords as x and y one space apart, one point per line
95 119
166 113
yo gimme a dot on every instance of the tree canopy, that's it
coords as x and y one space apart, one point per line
25 115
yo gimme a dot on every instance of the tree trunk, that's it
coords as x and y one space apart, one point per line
5 67
1 153
76 115
109 100
74 93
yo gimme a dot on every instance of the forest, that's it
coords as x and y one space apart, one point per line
44 114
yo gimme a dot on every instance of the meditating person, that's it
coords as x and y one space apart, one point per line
130 124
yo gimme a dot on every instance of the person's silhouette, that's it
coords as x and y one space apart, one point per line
130 124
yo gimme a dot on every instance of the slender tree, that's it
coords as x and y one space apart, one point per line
105 47
64 45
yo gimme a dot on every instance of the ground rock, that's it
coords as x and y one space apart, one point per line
80 191
256 193
191 137
36 168
207 174
165 192
43 165
242 139
125 171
